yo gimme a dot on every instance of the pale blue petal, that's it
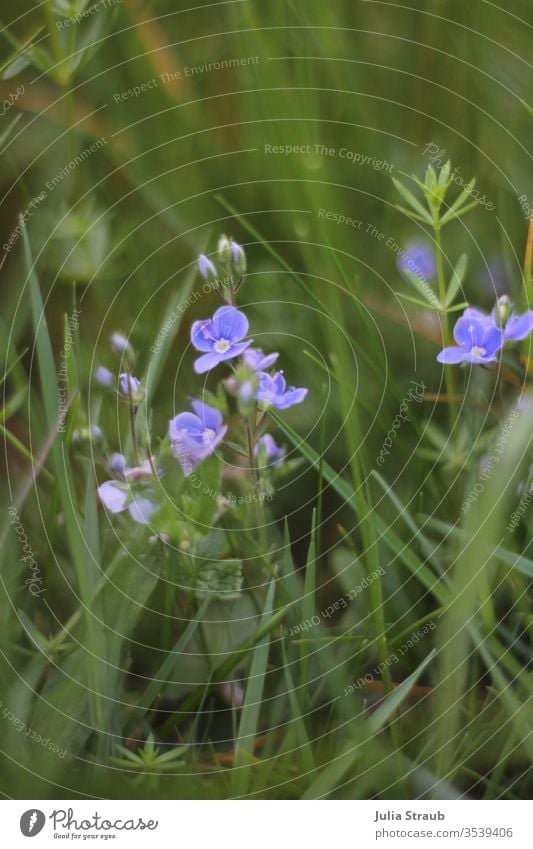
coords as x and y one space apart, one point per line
206 362
210 417
519 327
202 335
292 397
493 340
468 332
112 496
185 422
141 510
452 355
229 323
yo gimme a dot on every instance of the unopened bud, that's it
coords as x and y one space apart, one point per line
206 268
104 377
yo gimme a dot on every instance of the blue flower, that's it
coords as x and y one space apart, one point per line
418 258
194 436
268 452
273 392
117 497
256 360
478 339
220 338
206 267
518 327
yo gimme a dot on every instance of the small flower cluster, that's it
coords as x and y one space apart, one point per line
481 336
194 436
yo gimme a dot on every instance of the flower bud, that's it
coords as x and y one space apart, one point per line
206 268
122 347
86 438
238 257
224 250
118 464
104 378
503 309
130 387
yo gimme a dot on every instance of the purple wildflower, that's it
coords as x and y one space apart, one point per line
273 392
117 497
194 436
220 338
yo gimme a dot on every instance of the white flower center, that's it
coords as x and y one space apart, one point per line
208 435
478 352
221 346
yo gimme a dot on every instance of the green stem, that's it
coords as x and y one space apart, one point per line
259 516
132 414
448 370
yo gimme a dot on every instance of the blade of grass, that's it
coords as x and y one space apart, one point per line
244 744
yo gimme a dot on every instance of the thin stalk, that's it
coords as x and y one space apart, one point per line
259 511
448 370
528 290
132 414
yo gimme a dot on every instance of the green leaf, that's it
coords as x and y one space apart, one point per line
253 698
412 215
388 707
418 302
452 212
423 289
162 675
412 201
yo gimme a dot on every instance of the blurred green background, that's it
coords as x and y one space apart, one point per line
157 128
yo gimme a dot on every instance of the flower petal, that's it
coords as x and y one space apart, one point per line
468 331
202 335
229 323
112 496
210 417
279 382
206 362
269 360
452 355
493 340
185 422
290 398
141 510
235 350
519 327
